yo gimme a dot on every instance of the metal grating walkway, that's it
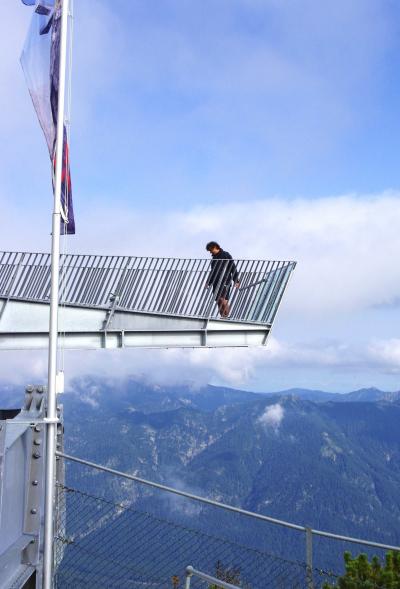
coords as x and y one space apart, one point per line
169 292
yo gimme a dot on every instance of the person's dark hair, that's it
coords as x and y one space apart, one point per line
211 244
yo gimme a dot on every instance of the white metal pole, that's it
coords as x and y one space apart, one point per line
53 326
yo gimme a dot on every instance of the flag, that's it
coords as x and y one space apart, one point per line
40 62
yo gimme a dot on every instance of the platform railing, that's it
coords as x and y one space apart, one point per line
168 286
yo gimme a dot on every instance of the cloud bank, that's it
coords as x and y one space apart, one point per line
339 314
343 244
329 366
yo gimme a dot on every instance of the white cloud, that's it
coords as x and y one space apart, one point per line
386 353
272 416
342 244
342 263
281 365
332 307
155 366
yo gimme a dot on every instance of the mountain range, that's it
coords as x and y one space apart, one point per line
329 461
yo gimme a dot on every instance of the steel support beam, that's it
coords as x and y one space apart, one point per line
24 325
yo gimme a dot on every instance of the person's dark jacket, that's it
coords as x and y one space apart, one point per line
223 270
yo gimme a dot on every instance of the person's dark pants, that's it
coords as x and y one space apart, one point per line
222 294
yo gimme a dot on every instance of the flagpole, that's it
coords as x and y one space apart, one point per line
48 556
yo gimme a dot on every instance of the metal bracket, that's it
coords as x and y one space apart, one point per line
49 420
114 299
34 495
33 422
205 332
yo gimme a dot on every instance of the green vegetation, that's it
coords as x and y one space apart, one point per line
362 574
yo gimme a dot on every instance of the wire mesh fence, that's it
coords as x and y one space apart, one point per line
104 544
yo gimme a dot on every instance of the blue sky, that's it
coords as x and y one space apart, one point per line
271 126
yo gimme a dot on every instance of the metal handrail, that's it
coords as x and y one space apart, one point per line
190 572
227 507
171 286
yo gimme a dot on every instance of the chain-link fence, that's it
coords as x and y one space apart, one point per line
104 544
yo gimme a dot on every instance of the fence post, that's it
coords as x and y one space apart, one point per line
309 559
189 573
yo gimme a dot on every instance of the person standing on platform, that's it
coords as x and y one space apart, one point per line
223 273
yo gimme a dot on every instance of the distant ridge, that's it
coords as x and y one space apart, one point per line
206 397
371 395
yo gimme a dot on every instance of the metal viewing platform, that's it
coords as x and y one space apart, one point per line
125 301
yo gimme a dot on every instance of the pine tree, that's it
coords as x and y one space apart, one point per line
362 574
